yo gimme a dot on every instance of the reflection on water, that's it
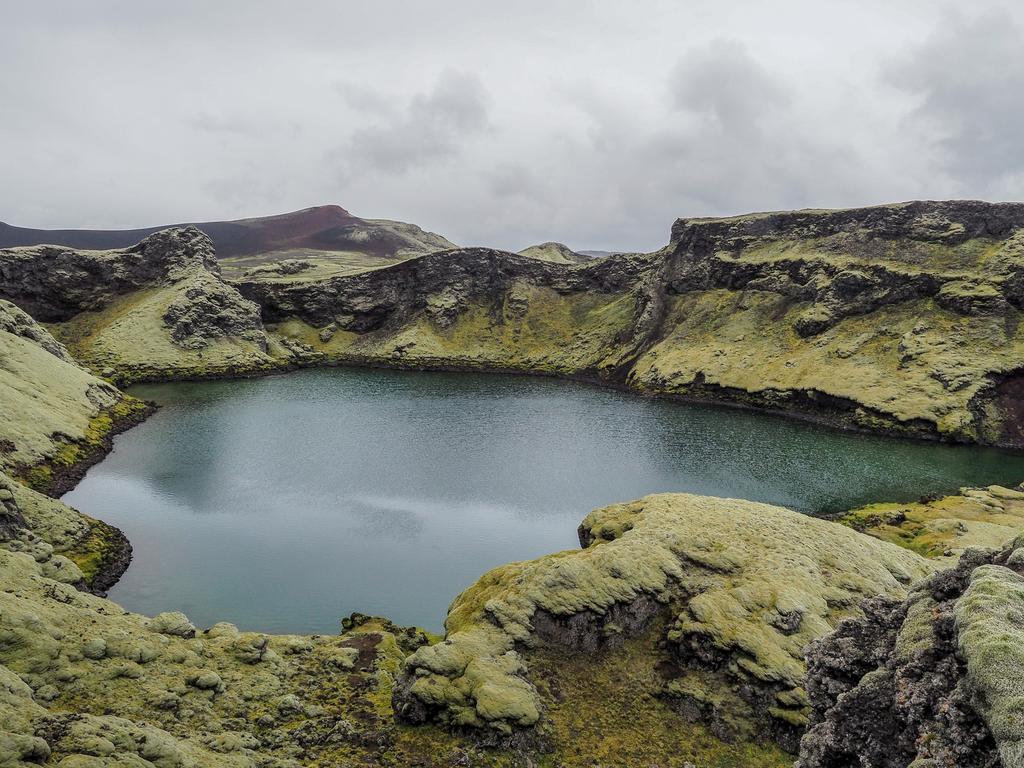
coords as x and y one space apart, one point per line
284 503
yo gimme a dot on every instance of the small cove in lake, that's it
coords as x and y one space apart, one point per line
284 503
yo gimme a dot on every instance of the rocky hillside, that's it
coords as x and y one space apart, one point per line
157 306
900 319
726 593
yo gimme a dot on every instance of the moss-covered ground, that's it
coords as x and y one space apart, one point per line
942 528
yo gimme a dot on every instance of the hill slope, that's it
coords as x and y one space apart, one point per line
326 233
556 252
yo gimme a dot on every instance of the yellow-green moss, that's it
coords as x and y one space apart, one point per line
70 452
943 528
91 553
991 640
603 709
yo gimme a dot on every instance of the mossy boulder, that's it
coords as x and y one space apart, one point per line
741 587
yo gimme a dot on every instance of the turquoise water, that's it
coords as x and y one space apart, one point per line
284 503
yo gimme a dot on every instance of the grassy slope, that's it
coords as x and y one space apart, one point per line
56 414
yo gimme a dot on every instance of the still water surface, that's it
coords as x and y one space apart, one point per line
284 503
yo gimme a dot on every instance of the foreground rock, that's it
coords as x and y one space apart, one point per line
930 681
82 682
729 591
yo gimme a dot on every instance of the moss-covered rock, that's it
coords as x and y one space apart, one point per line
930 681
943 528
159 308
990 635
900 319
743 587
556 252
58 418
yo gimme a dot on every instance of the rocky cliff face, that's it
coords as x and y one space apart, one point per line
967 256
902 319
53 283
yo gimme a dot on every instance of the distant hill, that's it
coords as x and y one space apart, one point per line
325 231
555 252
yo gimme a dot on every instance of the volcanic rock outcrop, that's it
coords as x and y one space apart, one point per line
930 681
740 588
158 306
901 319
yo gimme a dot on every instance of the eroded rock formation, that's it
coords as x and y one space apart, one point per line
159 306
898 318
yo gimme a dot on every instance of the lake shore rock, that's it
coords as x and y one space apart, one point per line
742 588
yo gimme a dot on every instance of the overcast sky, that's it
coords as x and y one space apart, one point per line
505 124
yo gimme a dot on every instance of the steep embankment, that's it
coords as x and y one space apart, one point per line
901 318
729 592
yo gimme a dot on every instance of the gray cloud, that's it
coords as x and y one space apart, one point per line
968 76
433 125
596 124
213 123
726 86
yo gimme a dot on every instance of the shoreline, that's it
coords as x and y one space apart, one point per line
812 406
59 478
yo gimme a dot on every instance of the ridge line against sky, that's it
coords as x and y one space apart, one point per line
591 123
